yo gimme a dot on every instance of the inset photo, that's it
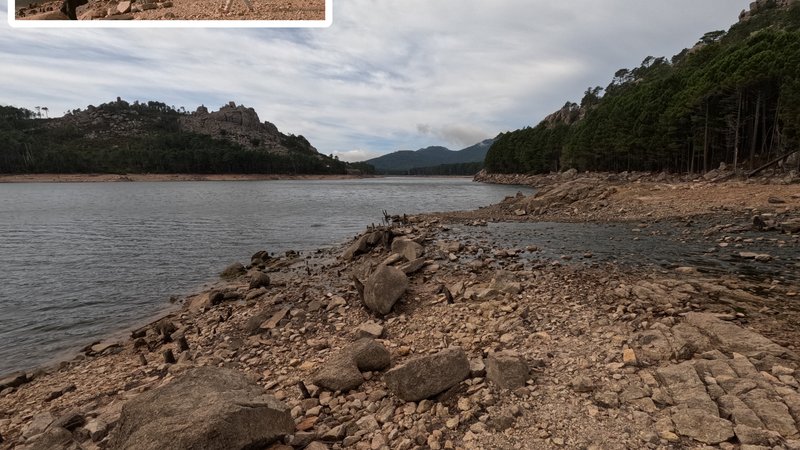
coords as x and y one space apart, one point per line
170 13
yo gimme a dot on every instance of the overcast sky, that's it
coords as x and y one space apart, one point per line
387 75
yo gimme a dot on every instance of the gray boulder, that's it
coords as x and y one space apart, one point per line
383 288
342 371
208 408
338 374
426 376
369 355
408 248
259 279
233 271
15 379
507 370
361 245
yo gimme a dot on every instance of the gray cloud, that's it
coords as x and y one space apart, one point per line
464 69
459 135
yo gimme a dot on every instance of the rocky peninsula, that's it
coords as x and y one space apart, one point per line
427 332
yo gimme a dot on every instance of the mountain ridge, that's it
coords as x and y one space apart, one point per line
404 161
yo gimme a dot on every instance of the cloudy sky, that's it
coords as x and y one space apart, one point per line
387 75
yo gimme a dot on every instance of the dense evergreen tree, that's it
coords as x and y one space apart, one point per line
733 98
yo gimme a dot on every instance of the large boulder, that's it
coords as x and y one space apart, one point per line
427 376
383 288
208 408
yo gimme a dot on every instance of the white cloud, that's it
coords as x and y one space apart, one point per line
464 69
357 155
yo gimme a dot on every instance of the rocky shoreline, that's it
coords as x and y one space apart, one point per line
415 336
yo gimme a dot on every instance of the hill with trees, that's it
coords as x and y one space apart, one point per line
733 98
122 137
433 161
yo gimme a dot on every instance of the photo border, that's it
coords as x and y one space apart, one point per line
170 23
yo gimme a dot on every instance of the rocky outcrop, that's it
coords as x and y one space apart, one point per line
234 123
207 408
759 6
733 382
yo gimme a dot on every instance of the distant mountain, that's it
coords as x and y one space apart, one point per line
404 161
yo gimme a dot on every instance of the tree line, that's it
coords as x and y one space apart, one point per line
734 98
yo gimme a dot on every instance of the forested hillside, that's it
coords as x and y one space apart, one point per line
119 137
733 98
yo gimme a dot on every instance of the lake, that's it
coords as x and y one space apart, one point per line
82 260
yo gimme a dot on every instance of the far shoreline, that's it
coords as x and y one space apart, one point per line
176 177
139 177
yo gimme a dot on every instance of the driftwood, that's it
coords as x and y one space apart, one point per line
771 163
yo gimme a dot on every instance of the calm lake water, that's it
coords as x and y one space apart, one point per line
82 260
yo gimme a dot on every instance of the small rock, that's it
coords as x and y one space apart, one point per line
316 445
259 279
369 330
477 368
582 384
629 357
342 371
507 370
97 429
123 7
235 269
